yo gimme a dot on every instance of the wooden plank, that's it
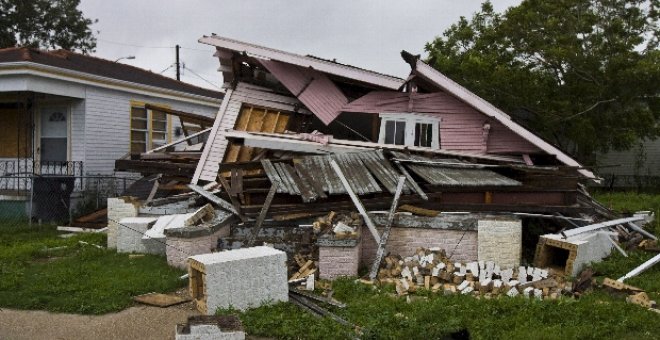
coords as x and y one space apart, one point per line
191 116
386 232
234 201
159 300
160 148
412 182
93 216
262 214
213 198
356 200
149 167
152 193
419 211
644 266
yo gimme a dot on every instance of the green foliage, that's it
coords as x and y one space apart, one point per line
582 73
78 278
45 24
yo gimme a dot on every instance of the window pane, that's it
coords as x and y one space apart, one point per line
389 132
159 115
137 147
159 126
423 134
400 133
138 136
53 149
158 136
138 112
138 124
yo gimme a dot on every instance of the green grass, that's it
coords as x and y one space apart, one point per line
379 315
630 202
77 279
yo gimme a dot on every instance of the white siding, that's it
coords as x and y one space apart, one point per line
214 151
77 140
107 125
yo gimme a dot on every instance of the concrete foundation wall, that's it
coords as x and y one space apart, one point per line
210 332
180 248
405 241
338 261
119 208
500 241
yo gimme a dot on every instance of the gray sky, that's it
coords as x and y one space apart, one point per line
368 34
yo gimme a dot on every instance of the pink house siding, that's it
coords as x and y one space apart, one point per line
461 126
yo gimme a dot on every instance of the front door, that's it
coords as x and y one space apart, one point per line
54 144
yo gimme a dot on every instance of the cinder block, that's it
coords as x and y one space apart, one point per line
119 208
241 278
129 234
500 240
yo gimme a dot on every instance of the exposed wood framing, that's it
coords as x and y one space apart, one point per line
262 214
213 198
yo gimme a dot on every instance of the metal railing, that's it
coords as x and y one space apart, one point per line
15 174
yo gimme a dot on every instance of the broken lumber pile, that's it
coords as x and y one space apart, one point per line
341 226
432 270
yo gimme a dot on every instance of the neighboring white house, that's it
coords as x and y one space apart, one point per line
59 108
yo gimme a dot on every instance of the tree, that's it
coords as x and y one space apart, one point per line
584 74
45 24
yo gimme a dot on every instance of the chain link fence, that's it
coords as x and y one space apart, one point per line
26 199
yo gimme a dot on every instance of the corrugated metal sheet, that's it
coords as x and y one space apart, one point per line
314 89
454 176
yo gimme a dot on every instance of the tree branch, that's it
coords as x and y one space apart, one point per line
590 108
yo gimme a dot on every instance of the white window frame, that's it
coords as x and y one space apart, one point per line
411 120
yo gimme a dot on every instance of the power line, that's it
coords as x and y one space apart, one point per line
200 77
169 67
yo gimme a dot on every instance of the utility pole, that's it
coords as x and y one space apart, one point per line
178 65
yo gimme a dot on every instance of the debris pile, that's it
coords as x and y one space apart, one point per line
339 226
633 294
431 269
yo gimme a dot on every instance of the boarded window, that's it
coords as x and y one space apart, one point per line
16 136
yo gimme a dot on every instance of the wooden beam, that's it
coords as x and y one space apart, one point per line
356 200
213 198
178 141
412 182
232 197
262 214
386 232
147 167
191 116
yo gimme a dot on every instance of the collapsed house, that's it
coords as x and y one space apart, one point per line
301 143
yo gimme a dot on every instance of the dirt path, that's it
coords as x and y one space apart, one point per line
135 323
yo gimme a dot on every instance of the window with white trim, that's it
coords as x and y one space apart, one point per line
149 129
411 129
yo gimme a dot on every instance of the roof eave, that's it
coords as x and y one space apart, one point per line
266 53
442 81
31 68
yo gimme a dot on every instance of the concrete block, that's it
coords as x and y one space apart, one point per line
129 234
202 327
241 278
500 241
119 208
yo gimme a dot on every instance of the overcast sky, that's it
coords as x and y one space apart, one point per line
368 34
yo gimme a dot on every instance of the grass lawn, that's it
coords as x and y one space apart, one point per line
78 278
596 315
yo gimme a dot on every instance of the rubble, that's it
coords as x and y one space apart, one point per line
430 269
207 327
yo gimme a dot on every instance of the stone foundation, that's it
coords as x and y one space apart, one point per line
119 208
339 258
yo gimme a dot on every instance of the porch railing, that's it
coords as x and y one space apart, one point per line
16 175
